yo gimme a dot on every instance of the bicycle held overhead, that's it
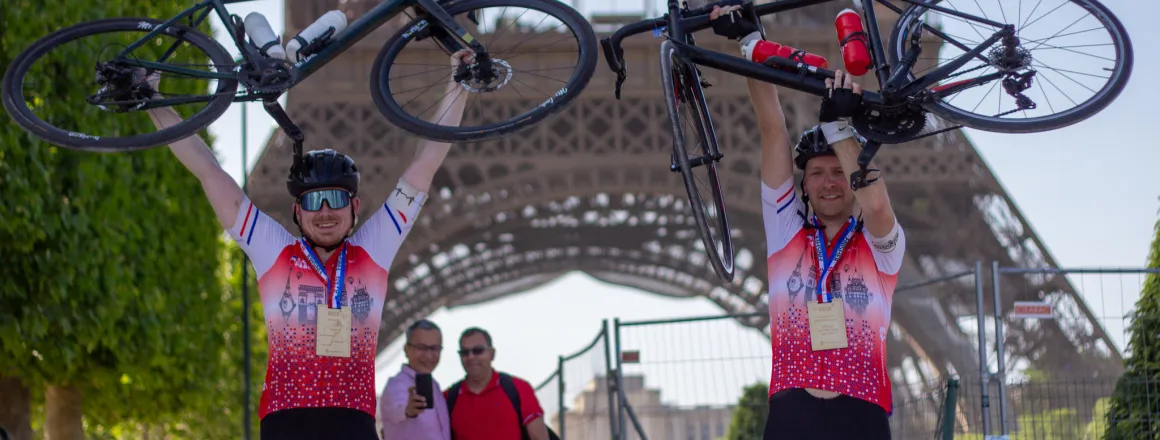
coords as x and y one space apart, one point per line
913 85
176 49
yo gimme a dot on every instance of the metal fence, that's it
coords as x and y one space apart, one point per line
1054 375
974 361
583 398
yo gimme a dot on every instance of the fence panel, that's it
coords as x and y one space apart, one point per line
1060 370
933 342
578 391
683 377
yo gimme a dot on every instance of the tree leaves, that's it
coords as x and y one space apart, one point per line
111 265
749 416
1132 413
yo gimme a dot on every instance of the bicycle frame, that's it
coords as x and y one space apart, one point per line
457 38
808 79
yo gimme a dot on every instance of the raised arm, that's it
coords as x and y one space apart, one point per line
429 157
877 213
776 154
224 194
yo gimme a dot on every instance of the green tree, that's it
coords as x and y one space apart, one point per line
1132 413
110 304
749 416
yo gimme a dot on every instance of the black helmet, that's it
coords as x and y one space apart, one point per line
813 144
323 169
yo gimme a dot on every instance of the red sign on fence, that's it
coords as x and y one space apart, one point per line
630 357
1032 309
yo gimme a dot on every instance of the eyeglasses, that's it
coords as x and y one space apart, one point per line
477 351
335 198
425 347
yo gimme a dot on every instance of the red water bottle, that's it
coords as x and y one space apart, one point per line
760 50
852 38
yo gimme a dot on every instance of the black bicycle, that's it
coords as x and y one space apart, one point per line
124 51
976 53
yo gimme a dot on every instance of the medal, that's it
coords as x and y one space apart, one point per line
827 317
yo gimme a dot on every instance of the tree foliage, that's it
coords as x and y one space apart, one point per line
110 262
749 416
1132 413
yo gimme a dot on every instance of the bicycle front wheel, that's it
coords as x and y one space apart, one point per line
1070 61
543 53
689 116
73 90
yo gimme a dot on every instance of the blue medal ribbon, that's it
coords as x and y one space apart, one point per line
827 262
334 286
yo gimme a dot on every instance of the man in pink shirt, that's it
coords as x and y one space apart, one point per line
402 410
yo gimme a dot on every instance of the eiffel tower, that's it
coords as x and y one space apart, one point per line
589 190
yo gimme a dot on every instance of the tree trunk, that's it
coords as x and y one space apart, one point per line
15 408
62 414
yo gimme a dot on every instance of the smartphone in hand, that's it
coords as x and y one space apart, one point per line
426 388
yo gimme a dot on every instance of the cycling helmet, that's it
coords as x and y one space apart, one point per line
323 169
813 144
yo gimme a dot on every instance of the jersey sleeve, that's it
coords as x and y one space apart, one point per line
384 232
259 236
779 209
529 404
889 250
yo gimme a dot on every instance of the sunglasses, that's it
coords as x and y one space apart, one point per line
477 351
334 198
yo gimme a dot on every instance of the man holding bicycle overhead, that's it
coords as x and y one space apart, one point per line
832 271
322 294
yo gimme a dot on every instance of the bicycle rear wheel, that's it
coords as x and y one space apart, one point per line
526 88
45 86
682 85
1079 53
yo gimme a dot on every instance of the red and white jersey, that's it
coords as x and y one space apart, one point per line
864 278
292 292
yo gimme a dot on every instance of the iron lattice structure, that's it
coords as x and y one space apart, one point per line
590 190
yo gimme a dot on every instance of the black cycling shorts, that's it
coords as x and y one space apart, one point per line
795 414
318 424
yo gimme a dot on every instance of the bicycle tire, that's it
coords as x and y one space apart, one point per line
1083 111
586 66
14 95
722 261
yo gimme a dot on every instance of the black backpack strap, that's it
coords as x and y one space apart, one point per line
452 394
509 388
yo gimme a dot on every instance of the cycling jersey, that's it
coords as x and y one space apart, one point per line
292 292
864 278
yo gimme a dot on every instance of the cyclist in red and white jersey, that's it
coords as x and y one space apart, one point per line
322 294
832 271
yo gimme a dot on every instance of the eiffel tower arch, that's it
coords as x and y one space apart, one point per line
589 190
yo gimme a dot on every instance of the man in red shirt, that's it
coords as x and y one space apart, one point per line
487 404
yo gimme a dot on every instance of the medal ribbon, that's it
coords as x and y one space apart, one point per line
826 262
334 286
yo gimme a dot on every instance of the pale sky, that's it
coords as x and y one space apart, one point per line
1098 175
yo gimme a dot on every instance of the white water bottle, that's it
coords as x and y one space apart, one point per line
333 19
263 35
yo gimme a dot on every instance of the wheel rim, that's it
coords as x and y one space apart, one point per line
691 120
1075 48
48 88
531 76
